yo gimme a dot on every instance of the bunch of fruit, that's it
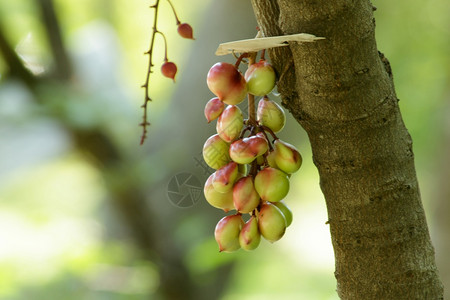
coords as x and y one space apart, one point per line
252 169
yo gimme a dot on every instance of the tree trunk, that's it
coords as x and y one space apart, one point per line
341 91
442 193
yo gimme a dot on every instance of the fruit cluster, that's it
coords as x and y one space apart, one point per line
252 170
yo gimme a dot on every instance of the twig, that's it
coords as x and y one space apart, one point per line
174 12
53 30
145 122
12 60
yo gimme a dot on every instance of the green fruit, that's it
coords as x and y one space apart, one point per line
271 159
249 238
219 200
227 233
230 123
271 222
216 152
287 213
242 170
271 184
271 115
245 197
260 160
260 78
225 177
287 157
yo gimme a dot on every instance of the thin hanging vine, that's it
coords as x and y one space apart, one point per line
168 68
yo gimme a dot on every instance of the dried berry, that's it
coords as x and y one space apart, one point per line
169 70
185 30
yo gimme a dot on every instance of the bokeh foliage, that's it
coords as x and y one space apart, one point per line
84 211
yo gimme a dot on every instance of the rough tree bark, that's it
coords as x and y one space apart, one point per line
341 91
442 193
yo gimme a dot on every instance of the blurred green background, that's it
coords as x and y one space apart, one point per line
84 210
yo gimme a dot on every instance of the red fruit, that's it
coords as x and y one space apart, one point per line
230 123
225 177
227 83
250 237
245 197
245 150
169 70
185 30
213 109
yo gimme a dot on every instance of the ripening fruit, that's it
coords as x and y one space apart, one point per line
249 238
260 78
169 70
258 144
242 170
227 83
271 222
225 177
230 123
287 157
213 109
185 30
271 159
271 184
260 160
240 152
287 213
218 200
227 233
216 152
245 150
271 114
245 197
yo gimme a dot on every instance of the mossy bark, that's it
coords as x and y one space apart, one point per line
341 91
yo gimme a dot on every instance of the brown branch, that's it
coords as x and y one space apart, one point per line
14 63
145 122
63 68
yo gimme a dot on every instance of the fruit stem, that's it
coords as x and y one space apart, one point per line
265 128
165 45
263 53
174 12
266 162
239 59
251 98
254 168
267 138
248 127
251 109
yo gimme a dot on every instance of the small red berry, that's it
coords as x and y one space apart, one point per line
185 30
169 70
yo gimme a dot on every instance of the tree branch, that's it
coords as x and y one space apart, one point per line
14 63
63 68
